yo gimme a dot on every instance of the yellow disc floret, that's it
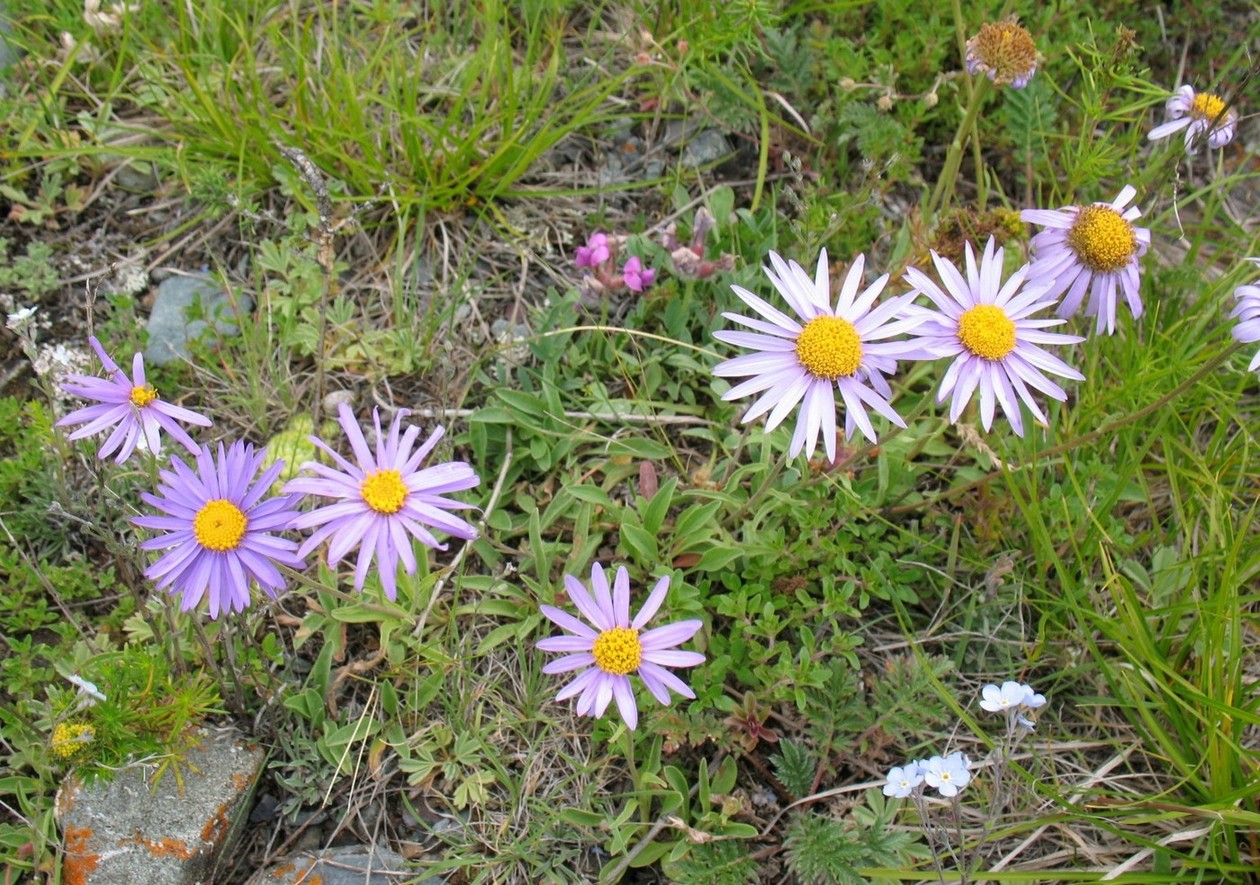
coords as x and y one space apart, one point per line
69 739
219 525
1102 240
384 491
829 348
1206 106
618 651
141 396
987 331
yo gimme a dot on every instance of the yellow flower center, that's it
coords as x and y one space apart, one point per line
142 396
987 331
1007 49
219 525
1102 240
618 651
384 491
1206 106
829 348
69 739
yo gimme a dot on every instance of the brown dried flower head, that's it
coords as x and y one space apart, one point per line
1005 51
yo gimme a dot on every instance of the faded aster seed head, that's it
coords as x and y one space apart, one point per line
1005 51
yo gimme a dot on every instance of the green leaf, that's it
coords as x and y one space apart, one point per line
718 557
658 508
521 404
591 495
640 543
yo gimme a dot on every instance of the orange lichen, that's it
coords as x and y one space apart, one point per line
80 862
216 828
168 847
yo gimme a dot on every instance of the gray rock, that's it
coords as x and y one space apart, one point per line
351 865
708 146
170 330
136 830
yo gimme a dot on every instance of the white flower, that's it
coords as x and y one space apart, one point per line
19 318
949 774
903 780
1032 700
86 688
1007 698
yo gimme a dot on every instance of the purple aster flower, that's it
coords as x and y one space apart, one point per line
1005 51
986 326
829 348
133 409
1247 313
218 529
1094 248
1199 113
612 648
636 277
385 500
595 252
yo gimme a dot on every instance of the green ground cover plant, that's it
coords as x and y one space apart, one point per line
987 615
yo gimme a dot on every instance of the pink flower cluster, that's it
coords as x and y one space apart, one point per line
690 260
599 256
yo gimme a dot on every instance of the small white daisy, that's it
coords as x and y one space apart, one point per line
843 348
1199 113
1091 248
987 327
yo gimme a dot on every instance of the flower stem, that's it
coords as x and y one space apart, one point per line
944 190
639 796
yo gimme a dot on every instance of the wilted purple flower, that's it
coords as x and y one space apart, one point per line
386 499
595 252
636 277
1199 113
218 529
132 408
1005 51
612 648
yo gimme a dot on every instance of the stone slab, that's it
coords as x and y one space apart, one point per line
352 865
170 330
132 830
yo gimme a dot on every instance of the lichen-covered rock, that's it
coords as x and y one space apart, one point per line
130 831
